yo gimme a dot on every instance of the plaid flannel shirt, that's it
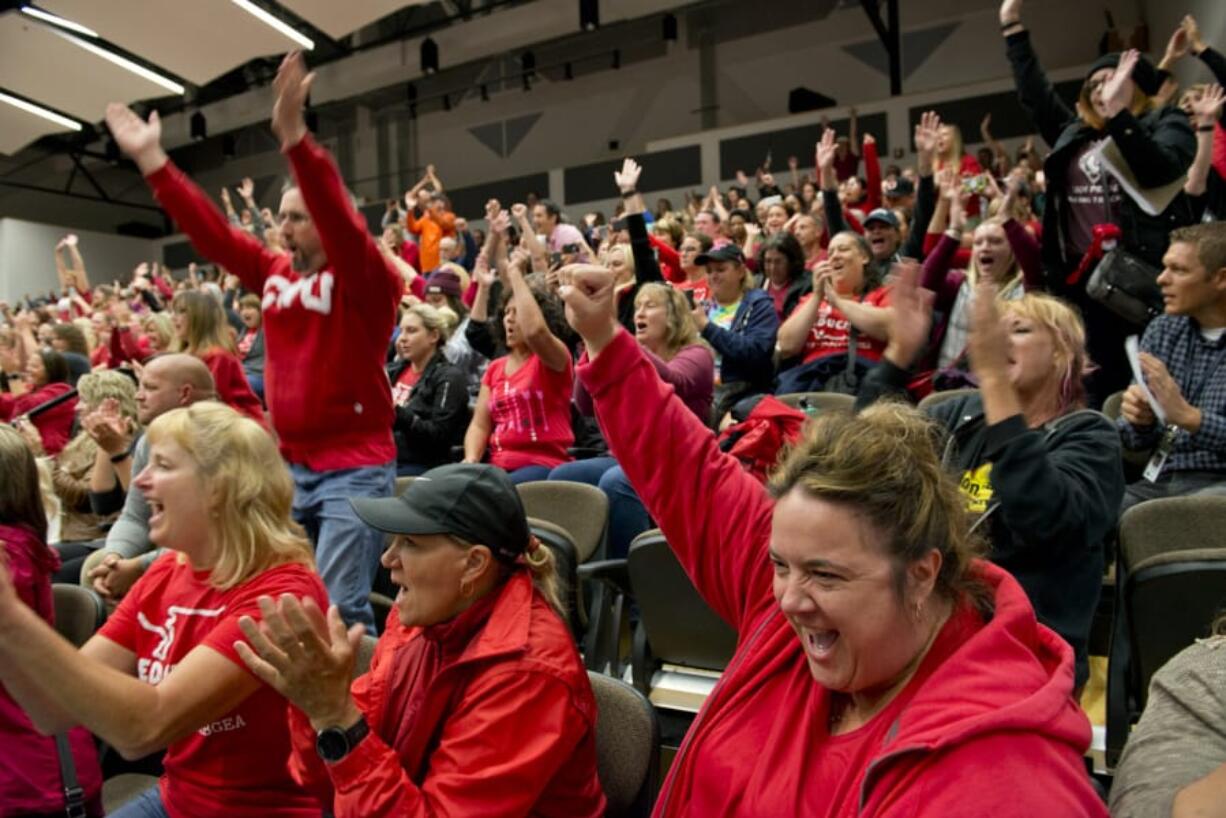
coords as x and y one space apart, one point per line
1199 368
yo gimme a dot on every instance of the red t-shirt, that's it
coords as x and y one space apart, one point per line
236 766
778 295
402 389
700 288
530 410
830 332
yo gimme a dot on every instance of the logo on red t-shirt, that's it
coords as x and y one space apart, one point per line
155 670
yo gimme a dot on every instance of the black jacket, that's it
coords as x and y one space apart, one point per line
1055 495
436 416
1158 146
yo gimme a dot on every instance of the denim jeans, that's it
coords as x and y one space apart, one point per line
346 549
527 474
146 805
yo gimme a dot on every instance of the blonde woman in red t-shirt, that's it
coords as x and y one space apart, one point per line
523 409
162 673
201 327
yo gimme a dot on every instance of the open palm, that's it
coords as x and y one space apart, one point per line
134 135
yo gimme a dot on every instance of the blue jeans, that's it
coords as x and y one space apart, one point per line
146 805
346 549
583 471
628 517
527 474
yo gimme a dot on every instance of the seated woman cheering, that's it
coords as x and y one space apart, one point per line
220 496
523 410
878 664
844 305
476 702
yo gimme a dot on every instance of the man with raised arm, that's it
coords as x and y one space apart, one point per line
329 309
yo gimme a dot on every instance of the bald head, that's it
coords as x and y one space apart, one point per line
171 381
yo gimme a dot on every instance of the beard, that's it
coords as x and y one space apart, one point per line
298 262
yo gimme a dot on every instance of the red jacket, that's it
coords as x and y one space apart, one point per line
29 764
506 728
997 710
54 425
325 334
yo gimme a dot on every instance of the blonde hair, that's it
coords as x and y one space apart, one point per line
1139 104
207 327
669 225
432 319
87 329
158 323
248 486
882 464
681 329
95 387
543 566
1068 334
956 148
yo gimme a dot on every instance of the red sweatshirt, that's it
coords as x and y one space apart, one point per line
990 702
325 334
231 383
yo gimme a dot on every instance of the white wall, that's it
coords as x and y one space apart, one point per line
28 266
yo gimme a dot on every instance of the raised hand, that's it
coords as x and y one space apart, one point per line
71 240
869 140
492 208
926 133
587 290
1192 31
306 657
910 315
1208 109
246 188
989 339
292 85
826 149
1010 12
140 141
1118 89
482 272
627 178
519 212
793 163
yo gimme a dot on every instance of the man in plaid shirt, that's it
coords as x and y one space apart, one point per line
1183 359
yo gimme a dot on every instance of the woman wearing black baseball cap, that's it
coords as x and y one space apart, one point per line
476 702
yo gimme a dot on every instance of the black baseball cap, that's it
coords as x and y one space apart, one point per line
883 215
472 501
728 251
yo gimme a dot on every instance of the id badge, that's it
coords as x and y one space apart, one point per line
1154 467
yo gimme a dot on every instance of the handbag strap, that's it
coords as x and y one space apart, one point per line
74 796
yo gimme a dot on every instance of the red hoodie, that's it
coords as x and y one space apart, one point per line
325 334
988 725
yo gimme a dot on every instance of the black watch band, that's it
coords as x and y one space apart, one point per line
122 456
334 743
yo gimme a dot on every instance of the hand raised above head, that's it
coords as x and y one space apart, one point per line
587 290
292 85
139 140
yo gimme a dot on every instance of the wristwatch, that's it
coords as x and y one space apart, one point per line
334 743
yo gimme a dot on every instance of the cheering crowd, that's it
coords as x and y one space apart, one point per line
912 588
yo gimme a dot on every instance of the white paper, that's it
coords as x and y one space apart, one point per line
1152 200
1133 347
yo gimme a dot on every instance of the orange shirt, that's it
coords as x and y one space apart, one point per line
431 232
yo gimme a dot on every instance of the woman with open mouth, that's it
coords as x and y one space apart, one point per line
163 673
878 660
1003 253
476 702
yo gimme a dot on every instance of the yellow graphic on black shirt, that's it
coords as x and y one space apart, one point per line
977 486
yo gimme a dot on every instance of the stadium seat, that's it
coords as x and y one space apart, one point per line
581 510
627 747
79 612
940 397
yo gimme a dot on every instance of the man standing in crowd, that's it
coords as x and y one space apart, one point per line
166 382
707 223
1183 353
329 310
431 221
547 219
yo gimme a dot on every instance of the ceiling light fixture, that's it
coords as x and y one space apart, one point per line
275 22
126 64
38 110
48 17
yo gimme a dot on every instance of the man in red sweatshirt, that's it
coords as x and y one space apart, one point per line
329 310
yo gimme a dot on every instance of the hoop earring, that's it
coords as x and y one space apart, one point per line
466 589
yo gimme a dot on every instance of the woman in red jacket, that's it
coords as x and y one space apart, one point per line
880 668
476 702
46 377
29 768
200 324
